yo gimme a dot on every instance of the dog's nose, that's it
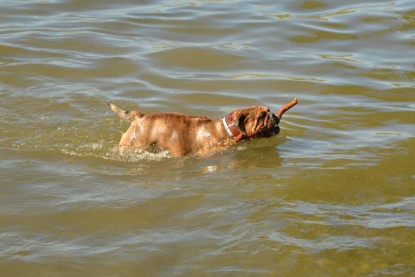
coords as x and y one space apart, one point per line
275 119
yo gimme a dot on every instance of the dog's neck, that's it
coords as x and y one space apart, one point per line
230 127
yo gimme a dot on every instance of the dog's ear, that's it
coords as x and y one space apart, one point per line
240 117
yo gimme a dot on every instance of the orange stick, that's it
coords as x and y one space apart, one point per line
287 107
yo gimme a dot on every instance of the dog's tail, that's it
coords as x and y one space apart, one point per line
129 115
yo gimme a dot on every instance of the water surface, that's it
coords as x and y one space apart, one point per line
332 195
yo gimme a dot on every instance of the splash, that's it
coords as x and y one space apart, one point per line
115 153
134 155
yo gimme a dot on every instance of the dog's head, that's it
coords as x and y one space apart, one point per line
256 121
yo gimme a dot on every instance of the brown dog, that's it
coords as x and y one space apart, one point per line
182 134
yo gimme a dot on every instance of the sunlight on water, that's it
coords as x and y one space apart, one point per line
331 195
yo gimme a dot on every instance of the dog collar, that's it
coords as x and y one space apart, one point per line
230 126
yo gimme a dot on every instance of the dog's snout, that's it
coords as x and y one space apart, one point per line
277 130
275 119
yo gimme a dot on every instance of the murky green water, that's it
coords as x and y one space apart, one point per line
332 195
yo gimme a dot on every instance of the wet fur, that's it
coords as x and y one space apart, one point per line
183 134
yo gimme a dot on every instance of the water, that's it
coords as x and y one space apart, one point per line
332 195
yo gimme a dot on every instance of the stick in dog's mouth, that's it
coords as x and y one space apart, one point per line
286 108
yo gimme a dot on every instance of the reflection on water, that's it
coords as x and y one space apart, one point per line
331 195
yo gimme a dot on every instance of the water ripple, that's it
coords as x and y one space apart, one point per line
330 196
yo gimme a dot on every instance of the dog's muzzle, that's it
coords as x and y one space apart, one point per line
275 120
